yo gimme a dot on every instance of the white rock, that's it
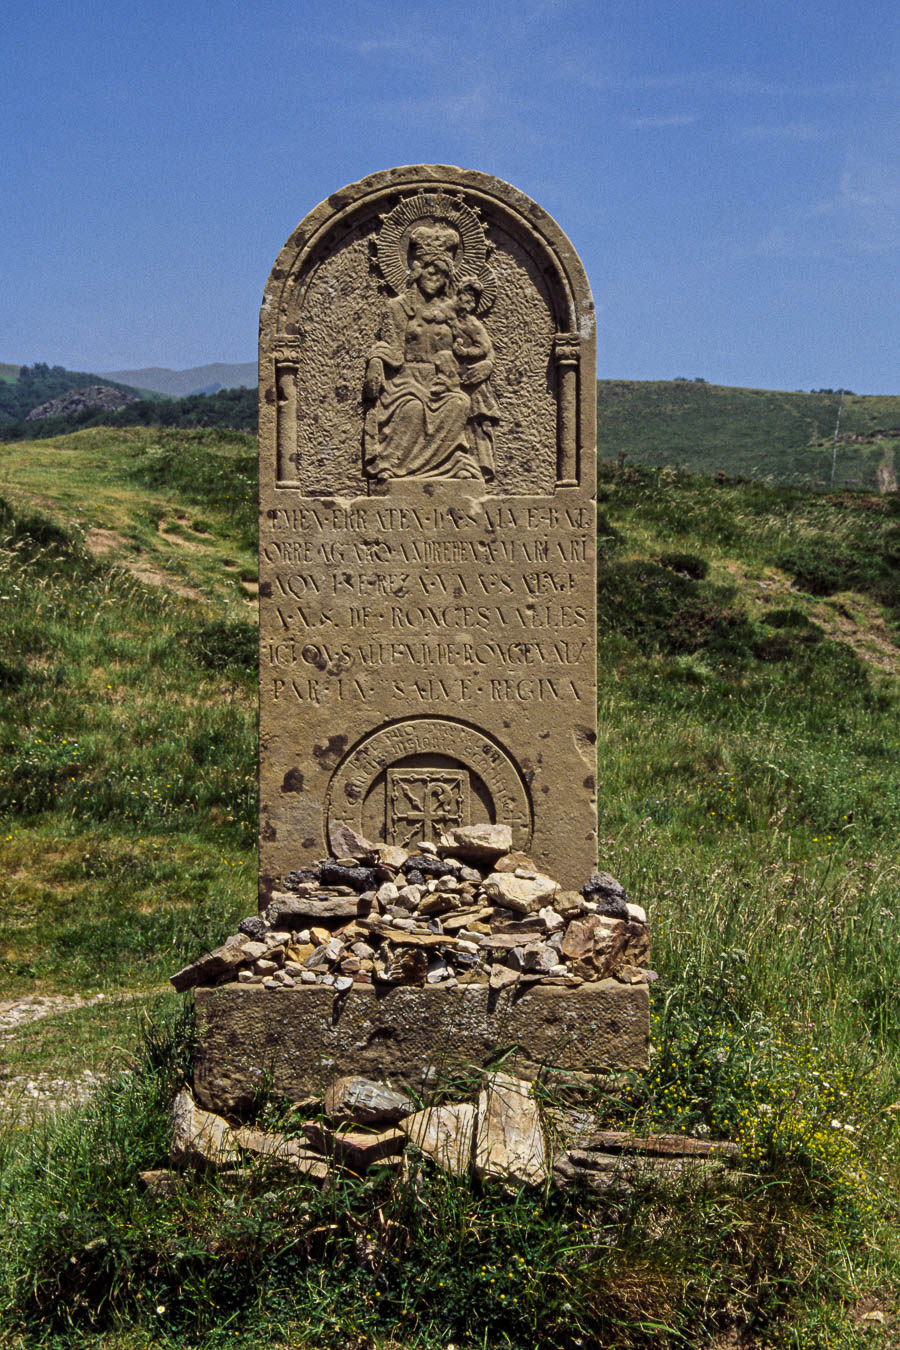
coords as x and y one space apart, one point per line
540 957
523 894
343 983
200 1136
387 893
509 1142
254 950
393 856
638 913
445 1133
553 920
478 843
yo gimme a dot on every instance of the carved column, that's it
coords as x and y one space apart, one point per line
566 355
286 366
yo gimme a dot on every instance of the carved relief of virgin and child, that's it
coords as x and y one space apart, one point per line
431 411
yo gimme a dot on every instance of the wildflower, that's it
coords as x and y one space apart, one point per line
160 1308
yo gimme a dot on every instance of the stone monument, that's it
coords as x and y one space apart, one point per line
427 767
427 525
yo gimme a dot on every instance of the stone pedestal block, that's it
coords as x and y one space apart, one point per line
298 1041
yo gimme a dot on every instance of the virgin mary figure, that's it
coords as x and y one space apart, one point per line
416 424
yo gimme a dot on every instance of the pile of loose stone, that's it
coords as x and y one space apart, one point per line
469 909
501 1132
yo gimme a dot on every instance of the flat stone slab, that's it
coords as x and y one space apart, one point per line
298 1041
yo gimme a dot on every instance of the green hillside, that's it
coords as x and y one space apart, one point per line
749 699
30 386
771 435
229 409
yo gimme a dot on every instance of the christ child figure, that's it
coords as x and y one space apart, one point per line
474 350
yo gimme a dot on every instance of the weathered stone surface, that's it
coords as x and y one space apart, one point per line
160 1181
347 842
658 1145
365 1102
509 1142
427 596
253 927
477 843
522 894
355 1148
616 1173
607 893
445 1133
600 946
288 908
214 965
200 1137
300 1039
289 1153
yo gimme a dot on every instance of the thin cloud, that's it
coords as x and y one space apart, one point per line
862 216
472 107
727 82
660 122
790 132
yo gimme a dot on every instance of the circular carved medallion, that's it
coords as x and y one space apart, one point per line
416 778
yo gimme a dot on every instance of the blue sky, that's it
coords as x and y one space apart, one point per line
728 170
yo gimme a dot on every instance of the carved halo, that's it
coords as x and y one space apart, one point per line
392 243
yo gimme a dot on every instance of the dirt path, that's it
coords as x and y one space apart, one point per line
25 1095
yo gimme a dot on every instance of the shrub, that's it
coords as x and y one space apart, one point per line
685 564
670 612
220 644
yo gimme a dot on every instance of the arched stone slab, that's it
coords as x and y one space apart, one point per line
427 523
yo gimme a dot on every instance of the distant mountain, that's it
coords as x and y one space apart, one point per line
194 380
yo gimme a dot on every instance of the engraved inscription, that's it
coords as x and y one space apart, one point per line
470 773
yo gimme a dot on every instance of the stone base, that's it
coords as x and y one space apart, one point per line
297 1041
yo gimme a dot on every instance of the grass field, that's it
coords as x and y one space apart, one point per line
749 699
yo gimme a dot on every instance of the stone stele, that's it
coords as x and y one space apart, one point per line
427 525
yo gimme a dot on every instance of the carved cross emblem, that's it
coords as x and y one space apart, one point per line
424 803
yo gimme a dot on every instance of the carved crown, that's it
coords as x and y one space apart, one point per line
431 225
